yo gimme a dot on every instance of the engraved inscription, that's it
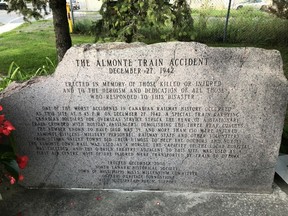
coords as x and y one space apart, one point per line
146 132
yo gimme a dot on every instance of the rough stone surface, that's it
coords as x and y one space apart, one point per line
173 116
139 203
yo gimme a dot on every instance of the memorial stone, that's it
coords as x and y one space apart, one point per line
168 116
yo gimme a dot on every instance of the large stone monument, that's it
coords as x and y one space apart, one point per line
171 116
